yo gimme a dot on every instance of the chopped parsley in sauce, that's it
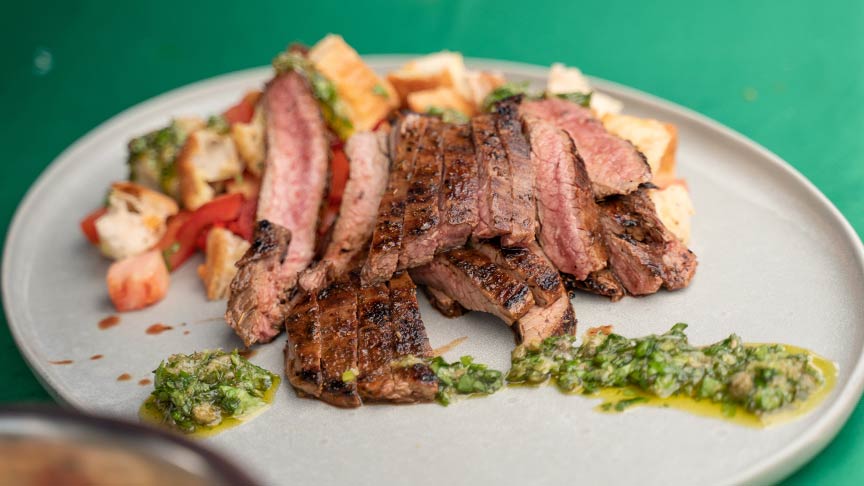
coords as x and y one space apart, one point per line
152 157
464 377
202 390
759 378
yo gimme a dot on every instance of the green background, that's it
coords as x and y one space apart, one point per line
788 74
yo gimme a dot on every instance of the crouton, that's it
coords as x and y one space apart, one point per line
368 98
443 98
224 249
564 79
657 140
208 156
441 69
480 84
249 140
674 208
135 220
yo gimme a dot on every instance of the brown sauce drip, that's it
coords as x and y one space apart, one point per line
158 328
124 377
145 382
109 322
96 356
62 362
185 332
247 353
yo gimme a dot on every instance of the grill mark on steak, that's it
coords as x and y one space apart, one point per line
614 165
338 304
387 237
446 305
601 282
459 187
528 265
303 349
421 204
495 204
256 299
643 254
411 337
570 231
476 283
367 180
518 151
542 322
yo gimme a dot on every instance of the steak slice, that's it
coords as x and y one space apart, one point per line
476 283
303 349
292 191
494 203
614 165
411 337
256 300
338 311
542 322
602 282
643 254
570 231
528 265
518 151
459 185
367 180
446 305
421 205
387 236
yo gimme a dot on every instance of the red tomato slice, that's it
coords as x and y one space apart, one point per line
139 281
173 227
88 225
339 169
244 225
243 111
220 210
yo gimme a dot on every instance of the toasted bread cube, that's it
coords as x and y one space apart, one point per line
249 140
368 97
563 79
480 84
674 208
657 140
441 69
207 157
224 249
443 98
135 220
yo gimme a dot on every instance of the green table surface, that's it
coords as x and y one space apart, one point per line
787 74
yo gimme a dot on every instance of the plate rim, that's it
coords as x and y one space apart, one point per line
770 469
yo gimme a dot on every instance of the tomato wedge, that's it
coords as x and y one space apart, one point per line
221 210
243 111
88 225
244 225
339 168
137 282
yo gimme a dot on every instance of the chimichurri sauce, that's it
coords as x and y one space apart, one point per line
729 377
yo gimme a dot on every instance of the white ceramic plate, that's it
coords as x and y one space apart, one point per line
778 263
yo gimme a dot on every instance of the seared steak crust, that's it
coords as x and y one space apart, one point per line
338 304
602 282
643 254
458 204
474 281
303 349
570 231
518 152
387 237
421 205
411 337
614 165
495 204
529 265
257 298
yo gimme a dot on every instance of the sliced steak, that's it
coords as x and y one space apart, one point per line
459 187
386 376
541 322
257 300
614 165
420 237
303 349
338 319
602 282
528 265
367 180
411 339
643 254
518 151
474 281
495 204
292 191
446 305
569 223
387 236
